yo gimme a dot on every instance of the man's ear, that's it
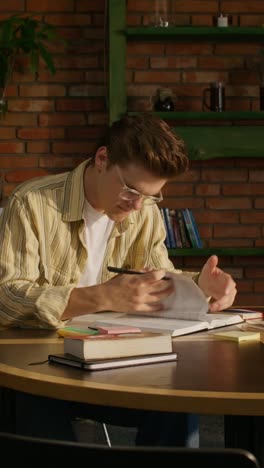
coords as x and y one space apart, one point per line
101 158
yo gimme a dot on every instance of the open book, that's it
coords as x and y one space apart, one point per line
185 311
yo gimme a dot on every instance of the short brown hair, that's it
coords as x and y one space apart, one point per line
148 141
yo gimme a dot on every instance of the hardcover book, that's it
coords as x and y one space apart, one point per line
105 346
102 364
185 311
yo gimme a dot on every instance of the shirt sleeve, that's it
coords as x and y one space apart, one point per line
26 299
150 250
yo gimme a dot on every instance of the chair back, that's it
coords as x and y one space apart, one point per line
24 448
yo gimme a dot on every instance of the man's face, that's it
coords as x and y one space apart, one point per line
127 189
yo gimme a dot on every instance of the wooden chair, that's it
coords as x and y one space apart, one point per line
23 448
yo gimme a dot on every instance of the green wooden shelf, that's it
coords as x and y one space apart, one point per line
204 116
235 33
218 134
205 142
242 252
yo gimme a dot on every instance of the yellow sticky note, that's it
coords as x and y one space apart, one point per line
238 335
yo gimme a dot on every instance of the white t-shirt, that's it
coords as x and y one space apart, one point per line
97 230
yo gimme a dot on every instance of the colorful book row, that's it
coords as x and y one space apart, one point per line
181 228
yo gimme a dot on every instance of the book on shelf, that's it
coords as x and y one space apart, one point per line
189 228
185 311
185 239
166 241
176 228
169 228
195 229
102 364
106 346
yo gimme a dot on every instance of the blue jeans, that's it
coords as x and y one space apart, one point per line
50 418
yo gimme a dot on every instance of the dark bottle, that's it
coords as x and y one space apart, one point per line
164 105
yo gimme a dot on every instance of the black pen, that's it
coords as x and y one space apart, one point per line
130 272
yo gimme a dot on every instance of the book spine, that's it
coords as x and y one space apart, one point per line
189 228
170 228
195 228
166 241
183 233
176 229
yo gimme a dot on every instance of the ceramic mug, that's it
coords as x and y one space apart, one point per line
216 93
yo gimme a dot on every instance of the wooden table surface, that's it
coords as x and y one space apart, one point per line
211 376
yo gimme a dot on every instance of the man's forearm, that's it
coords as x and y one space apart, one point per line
86 300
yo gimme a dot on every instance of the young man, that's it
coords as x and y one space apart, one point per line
59 233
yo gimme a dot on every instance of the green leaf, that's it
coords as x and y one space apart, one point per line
47 58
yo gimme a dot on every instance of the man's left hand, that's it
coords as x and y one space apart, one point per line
217 284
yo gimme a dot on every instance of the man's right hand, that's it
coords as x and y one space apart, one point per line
138 293
123 293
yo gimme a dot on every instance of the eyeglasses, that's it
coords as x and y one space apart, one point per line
132 195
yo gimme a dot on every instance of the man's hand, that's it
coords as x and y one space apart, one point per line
137 293
217 284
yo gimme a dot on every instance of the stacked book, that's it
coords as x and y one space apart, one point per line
181 229
99 347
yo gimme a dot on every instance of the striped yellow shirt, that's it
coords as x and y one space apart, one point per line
43 250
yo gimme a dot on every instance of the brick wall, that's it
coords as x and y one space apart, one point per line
54 121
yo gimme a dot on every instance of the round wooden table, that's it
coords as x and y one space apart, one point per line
211 376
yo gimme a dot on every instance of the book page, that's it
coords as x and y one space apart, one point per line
219 320
188 301
156 324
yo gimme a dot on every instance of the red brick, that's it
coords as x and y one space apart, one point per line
232 175
243 190
156 77
207 189
252 217
30 105
216 217
61 163
259 286
145 49
10 148
37 147
21 161
91 132
178 190
18 120
40 133
80 104
254 272
13 6
231 242
228 203
249 300
50 5
42 90
68 20
240 231
22 175
7 133
84 147
90 5
60 119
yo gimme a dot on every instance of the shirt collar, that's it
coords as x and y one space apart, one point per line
74 194
74 199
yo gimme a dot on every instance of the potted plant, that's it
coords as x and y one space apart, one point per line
23 35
